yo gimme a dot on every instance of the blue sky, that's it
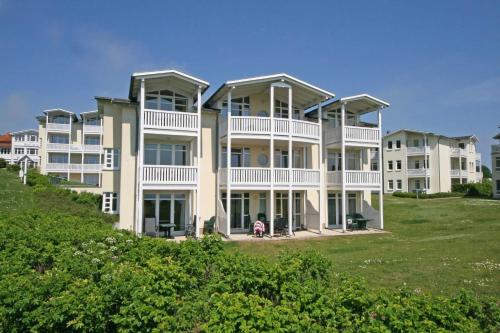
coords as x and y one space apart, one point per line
436 62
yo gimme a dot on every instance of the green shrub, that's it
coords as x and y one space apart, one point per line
482 189
427 195
13 167
34 178
3 163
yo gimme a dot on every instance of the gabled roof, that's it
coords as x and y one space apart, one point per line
165 74
57 110
431 133
359 104
26 131
281 77
465 137
5 140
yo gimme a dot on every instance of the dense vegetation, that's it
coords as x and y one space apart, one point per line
428 195
482 189
66 271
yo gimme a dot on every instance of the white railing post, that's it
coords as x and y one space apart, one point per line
228 166
380 191
198 164
290 161
140 164
271 162
342 137
322 188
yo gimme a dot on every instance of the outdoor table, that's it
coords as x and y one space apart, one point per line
168 228
362 223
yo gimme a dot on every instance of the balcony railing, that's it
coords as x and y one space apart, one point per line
249 125
73 167
58 127
495 149
170 174
457 152
262 176
170 120
92 128
418 172
354 135
354 178
64 147
458 173
412 151
25 143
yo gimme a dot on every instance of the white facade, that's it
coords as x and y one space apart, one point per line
495 166
24 143
424 161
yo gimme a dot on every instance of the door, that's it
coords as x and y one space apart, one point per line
297 210
240 211
334 210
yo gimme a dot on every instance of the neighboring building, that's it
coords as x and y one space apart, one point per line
424 161
495 166
20 146
71 146
255 147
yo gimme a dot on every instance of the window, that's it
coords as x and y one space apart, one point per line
389 166
33 138
416 142
58 138
263 203
351 203
478 166
352 161
19 138
32 151
239 106
19 151
334 161
417 184
398 144
4 150
390 185
497 163
166 100
280 158
91 159
112 158
58 158
165 154
240 157
59 119
91 179
92 121
417 164
498 186
461 145
280 109
374 165
110 203
389 145
399 184
92 140
281 205
398 165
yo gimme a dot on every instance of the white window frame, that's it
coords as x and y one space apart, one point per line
111 159
107 202
175 97
497 163
398 142
390 185
239 106
390 165
19 151
389 145
400 165
399 184
281 109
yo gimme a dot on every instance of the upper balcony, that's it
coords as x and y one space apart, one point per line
169 176
264 127
73 148
92 129
170 122
73 167
261 178
458 152
353 136
418 173
456 173
355 179
417 151
58 127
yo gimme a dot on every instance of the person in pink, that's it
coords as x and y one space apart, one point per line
259 228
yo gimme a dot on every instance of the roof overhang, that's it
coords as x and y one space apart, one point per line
187 83
304 94
358 104
60 111
26 131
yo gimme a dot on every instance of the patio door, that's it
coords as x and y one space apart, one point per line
166 208
240 211
297 210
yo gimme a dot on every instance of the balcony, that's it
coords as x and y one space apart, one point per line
171 122
354 178
418 172
73 167
65 147
248 126
25 143
416 151
495 149
261 177
354 136
92 129
457 152
455 173
58 127
170 175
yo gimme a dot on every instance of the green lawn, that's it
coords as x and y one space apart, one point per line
438 245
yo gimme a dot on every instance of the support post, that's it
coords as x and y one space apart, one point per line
228 166
83 148
140 158
69 146
198 166
322 183
380 191
271 161
290 162
342 157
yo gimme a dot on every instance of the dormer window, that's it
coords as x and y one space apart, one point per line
280 109
239 106
166 100
60 119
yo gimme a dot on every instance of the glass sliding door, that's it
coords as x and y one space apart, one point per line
166 208
240 211
334 210
179 212
297 210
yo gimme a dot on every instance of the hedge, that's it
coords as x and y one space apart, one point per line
3 163
482 189
427 195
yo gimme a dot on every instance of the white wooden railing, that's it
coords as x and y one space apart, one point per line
458 173
416 150
74 148
92 128
457 152
281 176
58 127
170 174
364 134
355 178
73 167
418 172
305 176
173 120
58 147
262 126
262 176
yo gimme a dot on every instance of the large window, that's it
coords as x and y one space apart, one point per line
166 100
240 157
58 138
92 140
58 158
91 179
32 151
239 106
91 159
111 158
59 119
281 158
19 151
4 150
165 154
110 202
334 161
352 161
263 203
417 184
280 109
281 205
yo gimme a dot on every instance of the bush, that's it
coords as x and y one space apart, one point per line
3 163
483 189
427 195
13 167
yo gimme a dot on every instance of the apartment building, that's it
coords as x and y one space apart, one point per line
495 166
425 161
20 147
265 146
71 146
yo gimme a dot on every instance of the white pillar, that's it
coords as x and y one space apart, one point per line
271 161
83 146
46 143
322 182
343 189
140 159
69 144
100 152
228 166
380 191
290 161
198 165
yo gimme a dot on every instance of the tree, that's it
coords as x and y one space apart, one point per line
486 171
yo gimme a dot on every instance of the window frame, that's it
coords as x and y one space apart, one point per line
111 159
110 199
390 165
390 185
389 145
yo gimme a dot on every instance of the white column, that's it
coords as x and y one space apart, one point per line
140 159
69 144
100 152
290 161
228 166
198 164
271 162
322 183
380 191
46 142
83 145
343 189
